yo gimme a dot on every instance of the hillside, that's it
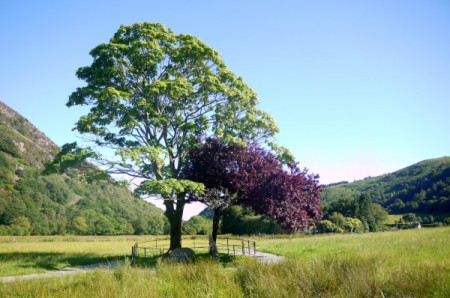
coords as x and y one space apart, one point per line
421 188
58 204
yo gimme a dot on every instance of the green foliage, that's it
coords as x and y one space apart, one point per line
410 218
153 94
8 146
326 226
239 221
197 225
168 188
356 214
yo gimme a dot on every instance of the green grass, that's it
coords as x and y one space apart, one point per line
396 246
38 254
407 263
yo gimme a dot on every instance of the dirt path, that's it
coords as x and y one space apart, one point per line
65 271
263 257
268 258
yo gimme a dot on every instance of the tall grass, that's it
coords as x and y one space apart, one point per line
347 276
398 264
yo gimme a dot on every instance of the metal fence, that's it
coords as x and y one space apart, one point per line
226 245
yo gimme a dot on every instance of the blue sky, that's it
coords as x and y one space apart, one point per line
357 88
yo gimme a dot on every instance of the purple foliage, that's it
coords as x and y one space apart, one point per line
256 178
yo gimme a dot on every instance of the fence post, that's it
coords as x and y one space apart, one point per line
228 249
248 243
254 247
243 248
136 249
234 251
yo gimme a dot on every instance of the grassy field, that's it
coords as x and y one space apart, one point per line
409 263
38 254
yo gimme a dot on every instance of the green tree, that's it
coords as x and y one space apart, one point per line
104 226
21 226
153 94
379 215
156 225
364 211
326 226
338 219
354 225
371 215
410 218
79 225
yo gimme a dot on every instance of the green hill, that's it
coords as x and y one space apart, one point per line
31 203
421 188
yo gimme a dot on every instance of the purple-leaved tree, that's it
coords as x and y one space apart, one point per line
254 177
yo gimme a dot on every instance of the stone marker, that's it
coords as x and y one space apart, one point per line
182 254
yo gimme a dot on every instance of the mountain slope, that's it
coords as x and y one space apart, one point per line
421 188
57 204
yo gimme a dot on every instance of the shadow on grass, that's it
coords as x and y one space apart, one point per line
53 261
153 261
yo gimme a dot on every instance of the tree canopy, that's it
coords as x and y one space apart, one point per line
153 94
254 177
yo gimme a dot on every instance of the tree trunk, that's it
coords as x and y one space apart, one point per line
216 220
175 217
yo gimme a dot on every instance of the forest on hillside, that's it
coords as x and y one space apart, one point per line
421 188
36 204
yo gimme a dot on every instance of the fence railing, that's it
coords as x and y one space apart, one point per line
230 246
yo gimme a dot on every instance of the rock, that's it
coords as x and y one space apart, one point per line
183 254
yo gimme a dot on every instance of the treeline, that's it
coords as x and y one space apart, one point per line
236 220
353 214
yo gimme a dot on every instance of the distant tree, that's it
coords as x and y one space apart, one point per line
379 215
326 226
79 225
338 219
397 207
152 94
346 206
354 225
239 221
409 218
21 226
372 215
155 225
232 221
